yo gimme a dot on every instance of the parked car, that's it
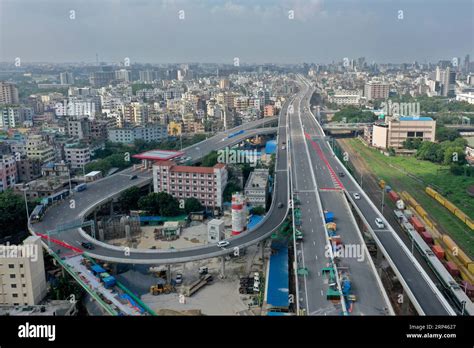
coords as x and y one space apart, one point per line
179 278
379 223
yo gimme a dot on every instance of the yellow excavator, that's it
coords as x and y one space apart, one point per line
160 289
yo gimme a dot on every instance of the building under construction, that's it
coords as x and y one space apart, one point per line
119 226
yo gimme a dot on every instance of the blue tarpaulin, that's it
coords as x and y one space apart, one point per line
253 221
270 147
278 280
96 269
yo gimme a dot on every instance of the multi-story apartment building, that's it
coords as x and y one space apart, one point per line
151 132
206 184
396 130
15 116
77 155
256 188
135 113
28 169
8 93
269 110
376 90
79 128
22 274
345 97
38 148
66 78
8 173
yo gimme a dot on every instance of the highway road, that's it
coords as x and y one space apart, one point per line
105 189
429 298
311 177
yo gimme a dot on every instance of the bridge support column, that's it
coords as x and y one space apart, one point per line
405 304
378 262
168 274
222 266
111 208
101 234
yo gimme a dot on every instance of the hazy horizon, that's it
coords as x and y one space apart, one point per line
257 32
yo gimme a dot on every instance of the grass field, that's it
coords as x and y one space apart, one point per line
395 170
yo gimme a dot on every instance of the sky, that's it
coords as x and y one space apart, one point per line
255 31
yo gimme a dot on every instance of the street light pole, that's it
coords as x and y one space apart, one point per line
69 176
383 199
26 204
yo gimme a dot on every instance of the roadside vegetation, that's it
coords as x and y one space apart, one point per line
413 175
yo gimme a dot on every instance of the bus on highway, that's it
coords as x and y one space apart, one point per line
81 187
37 214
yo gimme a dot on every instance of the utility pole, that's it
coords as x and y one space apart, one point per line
26 203
383 200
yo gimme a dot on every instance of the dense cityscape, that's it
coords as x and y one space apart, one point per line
335 188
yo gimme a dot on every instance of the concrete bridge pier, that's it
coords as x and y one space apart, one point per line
168 274
222 267
405 303
378 262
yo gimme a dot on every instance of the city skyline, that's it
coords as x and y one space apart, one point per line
219 31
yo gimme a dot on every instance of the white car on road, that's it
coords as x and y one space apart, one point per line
379 223
222 243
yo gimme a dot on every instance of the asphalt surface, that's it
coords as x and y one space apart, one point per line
311 252
430 299
104 189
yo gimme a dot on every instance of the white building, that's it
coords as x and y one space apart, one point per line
152 132
468 97
256 188
22 274
346 97
215 230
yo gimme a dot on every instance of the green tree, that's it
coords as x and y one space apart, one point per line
192 205
258 210
454 154
129 199
230 188
210 159
12 213
353 114
443 134
150 203
160 203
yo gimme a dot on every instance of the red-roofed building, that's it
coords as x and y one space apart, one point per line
206 184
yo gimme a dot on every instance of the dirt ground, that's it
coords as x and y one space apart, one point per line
221 297
191 236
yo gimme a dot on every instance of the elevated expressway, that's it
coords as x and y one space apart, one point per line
318 190
423 293
104 190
